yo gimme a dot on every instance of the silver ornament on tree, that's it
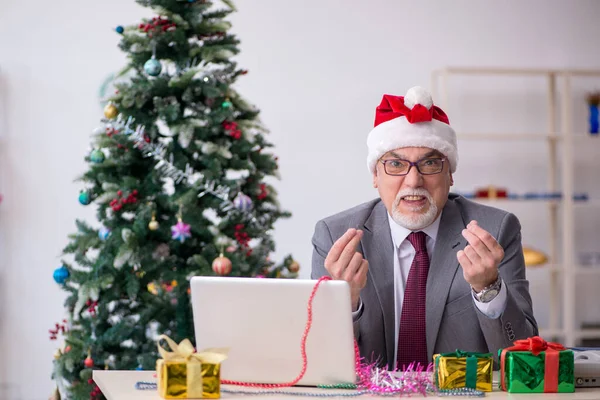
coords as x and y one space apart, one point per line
242 202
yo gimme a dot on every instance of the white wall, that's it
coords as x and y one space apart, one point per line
317 71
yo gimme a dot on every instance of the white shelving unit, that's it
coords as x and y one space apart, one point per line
563 270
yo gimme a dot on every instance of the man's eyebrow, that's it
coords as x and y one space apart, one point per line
433 153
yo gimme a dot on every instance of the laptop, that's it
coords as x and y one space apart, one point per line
262 321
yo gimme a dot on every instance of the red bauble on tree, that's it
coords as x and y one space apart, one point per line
263 192
222 265
242 237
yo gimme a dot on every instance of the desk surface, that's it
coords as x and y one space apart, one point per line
120 385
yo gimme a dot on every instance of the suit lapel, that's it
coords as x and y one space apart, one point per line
442 269
378 249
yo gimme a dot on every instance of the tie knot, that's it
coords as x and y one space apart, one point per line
417 239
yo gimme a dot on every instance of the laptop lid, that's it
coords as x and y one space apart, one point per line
262 322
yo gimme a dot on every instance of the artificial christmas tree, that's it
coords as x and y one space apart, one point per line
178 174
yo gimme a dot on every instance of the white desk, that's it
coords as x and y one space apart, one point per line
120 385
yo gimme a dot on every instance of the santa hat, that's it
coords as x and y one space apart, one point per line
411 121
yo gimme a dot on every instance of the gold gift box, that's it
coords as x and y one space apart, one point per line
184 374
451 371
188 380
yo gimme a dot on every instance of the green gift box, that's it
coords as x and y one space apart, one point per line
536 366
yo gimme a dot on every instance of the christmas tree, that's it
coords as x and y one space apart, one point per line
178 172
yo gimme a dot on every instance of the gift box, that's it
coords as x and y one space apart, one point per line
184 374
462 369
536 366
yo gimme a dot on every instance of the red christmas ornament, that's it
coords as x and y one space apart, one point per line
119 202
263 192
231 128
222 265
241 236
89 363
92 306
58 328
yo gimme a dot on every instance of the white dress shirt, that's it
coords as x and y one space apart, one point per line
404 254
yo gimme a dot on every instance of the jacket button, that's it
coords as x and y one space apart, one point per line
511 336
508 325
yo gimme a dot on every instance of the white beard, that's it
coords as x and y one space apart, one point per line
417 221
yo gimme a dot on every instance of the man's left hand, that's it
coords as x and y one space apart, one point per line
481 257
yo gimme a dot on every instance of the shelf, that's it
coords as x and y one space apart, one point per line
507 136
556 202
577 137
587 333
558 268
589 270
579 333
562 141
515 71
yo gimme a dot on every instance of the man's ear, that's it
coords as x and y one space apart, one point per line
375 179
451 180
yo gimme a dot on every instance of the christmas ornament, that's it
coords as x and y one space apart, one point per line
263 192
181 230
110 111
242 237
119 29
152 288
157 25
119 202
222 265
242 202
89 362
91 305
294 267
153 67
58 328
103 233
226 104
232 129
85 198
61 274
97 156
153 225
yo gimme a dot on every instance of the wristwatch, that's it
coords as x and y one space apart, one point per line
488 293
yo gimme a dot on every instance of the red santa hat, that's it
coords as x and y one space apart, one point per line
411 121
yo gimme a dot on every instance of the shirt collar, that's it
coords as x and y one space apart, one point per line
400 233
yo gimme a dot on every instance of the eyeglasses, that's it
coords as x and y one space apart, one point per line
425 166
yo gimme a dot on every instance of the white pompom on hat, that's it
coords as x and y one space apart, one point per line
411 121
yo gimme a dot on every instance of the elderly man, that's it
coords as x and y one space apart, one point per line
429 271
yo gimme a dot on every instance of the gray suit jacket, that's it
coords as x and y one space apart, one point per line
453 320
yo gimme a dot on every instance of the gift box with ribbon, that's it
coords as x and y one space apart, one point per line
536 366
184 374
462 369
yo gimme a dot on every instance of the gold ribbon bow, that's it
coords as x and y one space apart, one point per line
184 352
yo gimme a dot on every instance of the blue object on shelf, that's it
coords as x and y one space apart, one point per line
594 123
